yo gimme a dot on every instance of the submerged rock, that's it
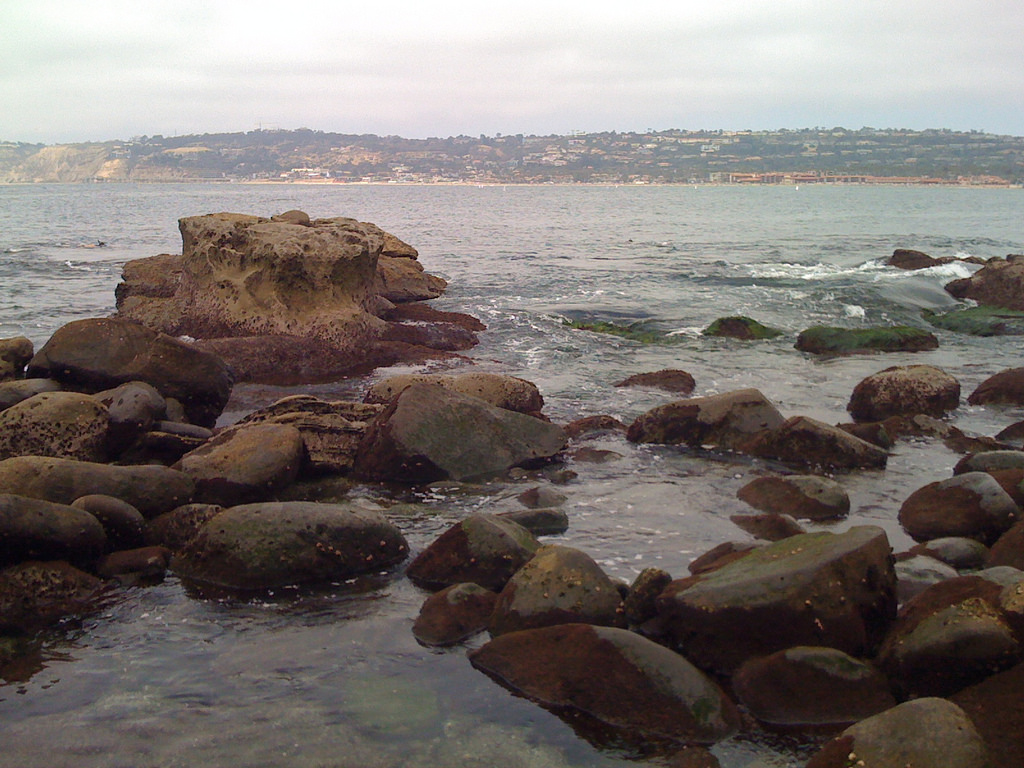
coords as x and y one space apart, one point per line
262 546
559 585
809 685
615 676
804 497
482 549
836 590
907 258
903 391
802 441
669 379
929 732
824 340
454 614
34 594
430 433
724 420
979 321
741 327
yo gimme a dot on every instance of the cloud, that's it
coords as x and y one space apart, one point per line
109 69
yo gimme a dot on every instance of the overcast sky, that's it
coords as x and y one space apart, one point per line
82 70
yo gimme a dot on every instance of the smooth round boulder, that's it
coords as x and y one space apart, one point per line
482 549
1003 388
930 732
990 461
811 685
723 420
122 522
97 354
500 390
150 489
245 464
63 424
994 707
902 391
626 681
915 574
13 392
34 529
972 504
14 356
959 552
131 566
769 526
453 614
803 497
560 585
176 528
133 408
1008 550
269 545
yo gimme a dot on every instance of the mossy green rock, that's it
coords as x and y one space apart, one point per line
261 546
827 340
979 321
639 331
741 327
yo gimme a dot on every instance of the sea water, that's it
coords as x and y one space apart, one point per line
333 677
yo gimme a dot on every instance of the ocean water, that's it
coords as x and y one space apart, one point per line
333 677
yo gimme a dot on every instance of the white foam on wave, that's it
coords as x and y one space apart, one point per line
819 271
853 310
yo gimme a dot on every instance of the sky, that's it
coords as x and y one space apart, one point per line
78 70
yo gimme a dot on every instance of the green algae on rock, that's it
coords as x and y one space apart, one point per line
741 327
979 321
829 340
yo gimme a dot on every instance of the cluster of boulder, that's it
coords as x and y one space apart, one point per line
113 470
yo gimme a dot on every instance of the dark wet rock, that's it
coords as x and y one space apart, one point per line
915 574
133 409
979 321
804 497
809 685
14 356
957 551
133 565
949 636
13 392
176 528
929 732
122 523
454 614
769 526
1002 575
431 433
500 390
165 444
559 585
640 603
802 441
587 455
669 379
823 340
907 258
402 279
836 590
64 424
1008 548
99 354
692 757
613 675
1000 283
590 426
443 337
1003 388
331 430
33 529
541 496
539 522
741 327
988 461
34 594
482 549
996 707
875 433
903 390
262 546
723 420
719 555
150 489
421 314
972 504
1012 434
245 464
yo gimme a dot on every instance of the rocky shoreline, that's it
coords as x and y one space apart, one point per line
113 471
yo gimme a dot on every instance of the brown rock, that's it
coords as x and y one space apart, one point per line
669 379
770 526
63 424
591 425
724 420
804 497
14 356
1004 388
906 258
1008 548
122 522
454 614
996 707
902 391
34 594
176 528
802 441
1000 283
500 390
140 563
972 504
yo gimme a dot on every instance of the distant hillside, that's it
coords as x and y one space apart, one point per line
831 155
